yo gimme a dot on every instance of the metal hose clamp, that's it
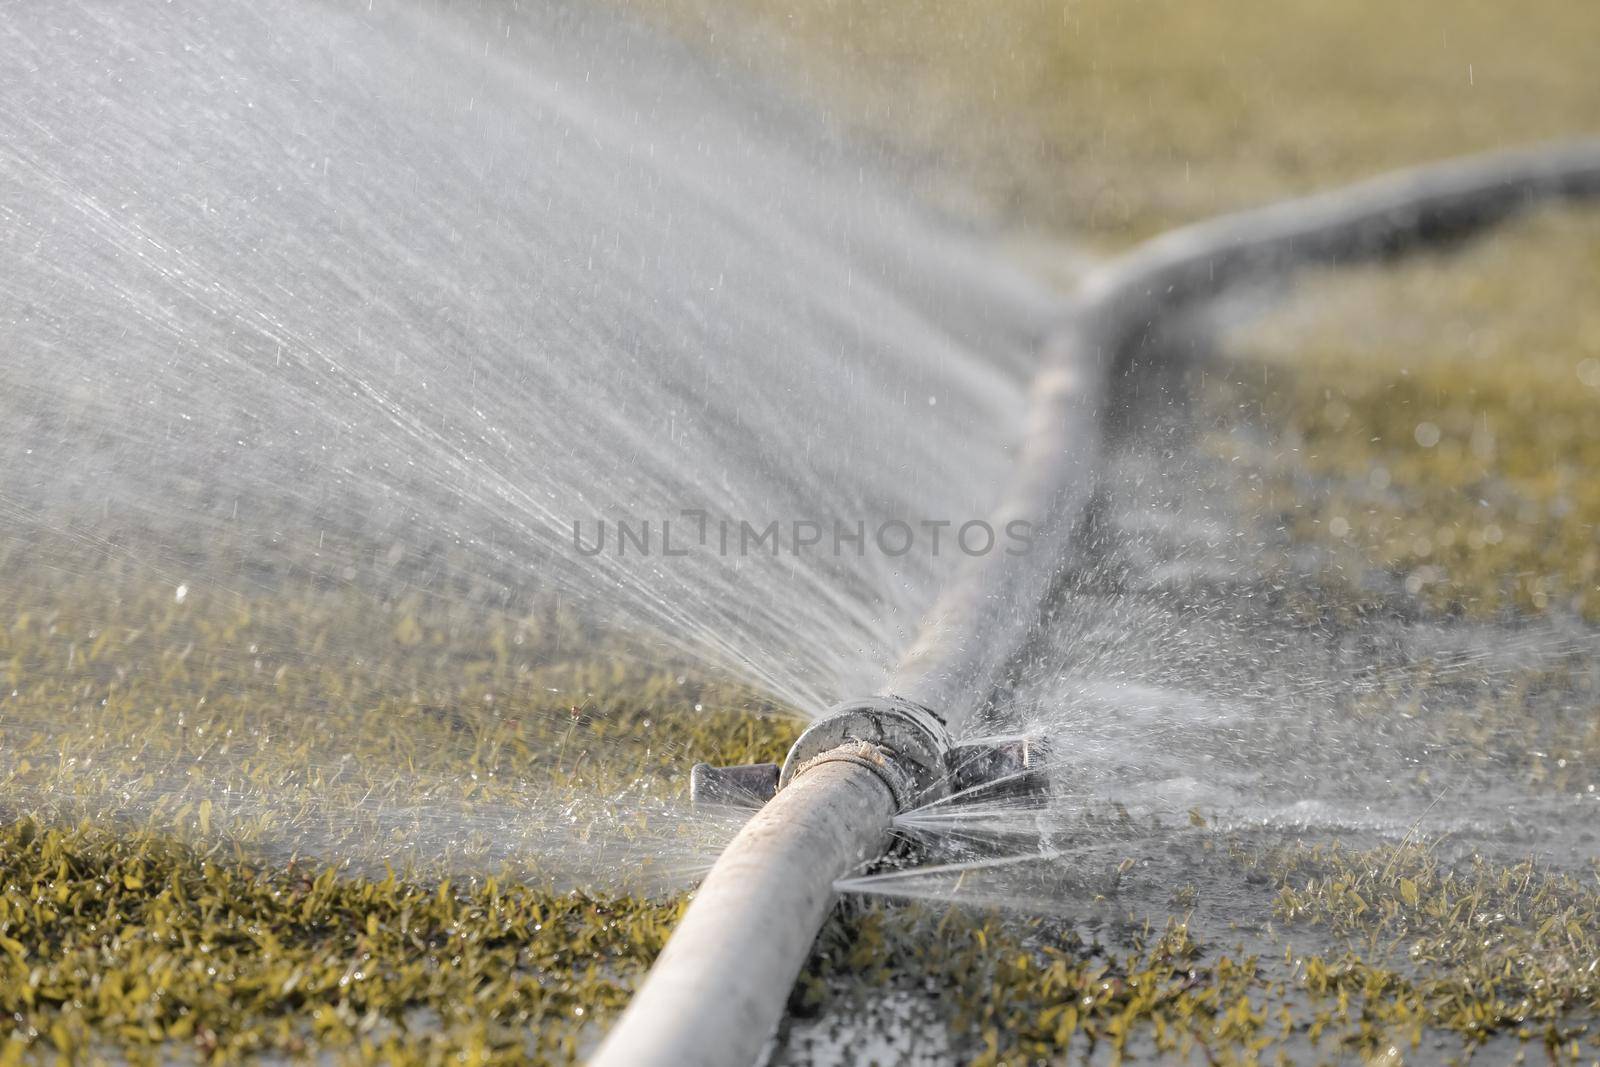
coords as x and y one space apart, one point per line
901 741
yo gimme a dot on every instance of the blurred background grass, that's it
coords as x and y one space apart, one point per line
1111 119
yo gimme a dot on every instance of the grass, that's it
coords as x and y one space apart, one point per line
1441 419
1419 949
1110 120
430 876
166 704
121 947
118 947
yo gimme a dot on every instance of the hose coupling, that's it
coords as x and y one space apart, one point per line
901 741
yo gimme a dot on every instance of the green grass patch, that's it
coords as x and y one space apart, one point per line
1439 421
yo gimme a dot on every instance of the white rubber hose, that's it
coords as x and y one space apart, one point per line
717 991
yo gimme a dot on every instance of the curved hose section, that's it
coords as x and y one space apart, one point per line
717 992
981 619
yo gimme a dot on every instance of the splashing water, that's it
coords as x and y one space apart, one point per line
434 286
1178 696
357 327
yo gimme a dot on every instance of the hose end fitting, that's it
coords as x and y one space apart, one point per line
901 741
